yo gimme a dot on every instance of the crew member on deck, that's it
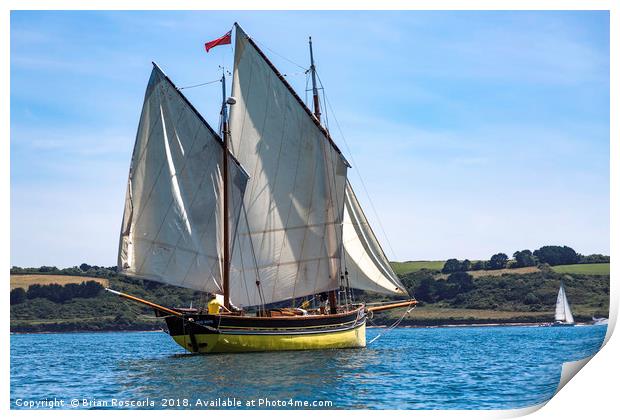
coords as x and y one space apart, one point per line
213 305
323 299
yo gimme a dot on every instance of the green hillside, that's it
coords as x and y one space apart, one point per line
402 268
506 296
601 269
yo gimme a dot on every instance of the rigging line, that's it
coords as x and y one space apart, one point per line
259 283
297 73
280 55
137 313
306 90
237 241
201 84
360 177
331 181
369 304
391 327
324 105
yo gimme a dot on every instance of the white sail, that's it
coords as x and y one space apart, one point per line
171 228
365 261
294 198
562 308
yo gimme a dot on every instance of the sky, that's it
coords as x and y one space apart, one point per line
470 133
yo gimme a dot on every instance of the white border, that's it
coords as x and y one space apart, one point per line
593 395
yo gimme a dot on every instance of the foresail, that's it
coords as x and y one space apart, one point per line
294 198
171 229
365 261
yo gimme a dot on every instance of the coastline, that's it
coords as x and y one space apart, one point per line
84 332
446 325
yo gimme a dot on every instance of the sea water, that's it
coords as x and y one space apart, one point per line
406 368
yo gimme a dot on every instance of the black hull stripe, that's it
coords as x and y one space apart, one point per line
297 332
214 324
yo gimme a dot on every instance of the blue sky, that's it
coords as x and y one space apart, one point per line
473 132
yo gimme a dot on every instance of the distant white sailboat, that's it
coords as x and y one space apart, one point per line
563 314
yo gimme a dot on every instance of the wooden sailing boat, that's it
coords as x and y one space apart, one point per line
563 314
261 215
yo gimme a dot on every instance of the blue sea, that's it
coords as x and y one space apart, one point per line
406 368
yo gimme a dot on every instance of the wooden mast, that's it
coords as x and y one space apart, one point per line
333 304
315 90
226 239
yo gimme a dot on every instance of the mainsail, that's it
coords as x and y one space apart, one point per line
562 308
294 199
173 209
366 263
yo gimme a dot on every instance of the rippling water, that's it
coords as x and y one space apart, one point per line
407 368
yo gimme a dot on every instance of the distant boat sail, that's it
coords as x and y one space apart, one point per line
262 216
563 314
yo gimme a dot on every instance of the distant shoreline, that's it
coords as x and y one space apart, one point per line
468 325
505 324
85 332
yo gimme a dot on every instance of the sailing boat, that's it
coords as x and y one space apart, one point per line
563 314
263 216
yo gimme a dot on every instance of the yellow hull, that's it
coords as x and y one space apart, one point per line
233 343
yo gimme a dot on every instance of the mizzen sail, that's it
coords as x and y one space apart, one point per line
294 198
171 229
365 261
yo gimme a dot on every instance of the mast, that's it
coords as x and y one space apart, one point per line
315 90
226 239
317 113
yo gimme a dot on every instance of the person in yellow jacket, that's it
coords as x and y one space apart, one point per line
213 306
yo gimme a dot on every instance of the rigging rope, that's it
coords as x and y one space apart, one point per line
201 84
391 327
280 55
331 180
387 240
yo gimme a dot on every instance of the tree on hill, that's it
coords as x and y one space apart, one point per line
425 291
454 266
524 258
498 261
594 259
462 280
557 255
478 265
451 266
60 294
18 296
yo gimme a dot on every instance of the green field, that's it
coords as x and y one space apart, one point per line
401 268
436 314
596 269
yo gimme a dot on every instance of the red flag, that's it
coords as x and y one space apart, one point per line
223 40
